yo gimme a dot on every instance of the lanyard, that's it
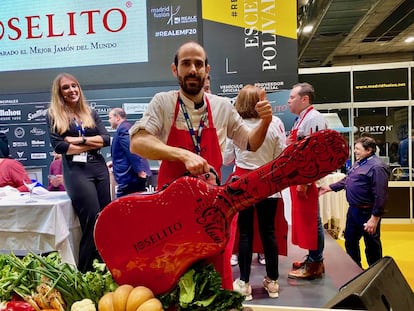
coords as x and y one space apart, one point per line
196 137
299 122
360 163
79 128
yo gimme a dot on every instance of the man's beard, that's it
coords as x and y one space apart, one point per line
193 87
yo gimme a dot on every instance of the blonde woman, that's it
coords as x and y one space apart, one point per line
77 133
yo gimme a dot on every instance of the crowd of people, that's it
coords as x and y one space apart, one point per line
192 131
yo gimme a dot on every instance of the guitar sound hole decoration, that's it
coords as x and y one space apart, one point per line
152 239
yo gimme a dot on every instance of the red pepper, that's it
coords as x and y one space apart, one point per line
19 306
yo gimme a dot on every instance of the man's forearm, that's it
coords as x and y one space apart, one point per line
150 147
257 135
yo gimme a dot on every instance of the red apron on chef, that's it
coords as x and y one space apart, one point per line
304 212
210 150
304 218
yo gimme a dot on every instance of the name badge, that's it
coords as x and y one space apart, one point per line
82 157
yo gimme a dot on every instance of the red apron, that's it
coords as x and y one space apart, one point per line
304 210
210 149
171 170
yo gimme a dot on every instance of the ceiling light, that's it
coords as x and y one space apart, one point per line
307 29
409 40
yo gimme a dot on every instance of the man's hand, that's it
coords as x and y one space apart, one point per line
302 191
324 189
56 180
258 134
371 225
263 107
142 174
289 140
194 164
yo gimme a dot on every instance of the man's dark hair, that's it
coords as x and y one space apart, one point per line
119 112
176 56
368 143
306 89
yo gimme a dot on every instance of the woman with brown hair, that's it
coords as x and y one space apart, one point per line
246 161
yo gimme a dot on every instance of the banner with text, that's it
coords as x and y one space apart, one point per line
56 33
250 42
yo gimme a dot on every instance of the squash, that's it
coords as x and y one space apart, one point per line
152 304
129 298
120 297
137 297
106 302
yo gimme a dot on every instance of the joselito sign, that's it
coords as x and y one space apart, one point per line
50 34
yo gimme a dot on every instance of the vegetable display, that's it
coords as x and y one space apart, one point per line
45 283
199 289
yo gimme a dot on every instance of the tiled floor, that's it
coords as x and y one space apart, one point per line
339 269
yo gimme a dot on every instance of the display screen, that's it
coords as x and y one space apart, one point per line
53 33
100 42
380 85
333 87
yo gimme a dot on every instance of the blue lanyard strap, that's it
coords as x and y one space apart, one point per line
79 127
360 163
195 137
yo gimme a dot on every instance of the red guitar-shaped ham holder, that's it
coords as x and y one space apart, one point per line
152 239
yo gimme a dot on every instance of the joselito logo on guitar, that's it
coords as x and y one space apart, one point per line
85 33
157 237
